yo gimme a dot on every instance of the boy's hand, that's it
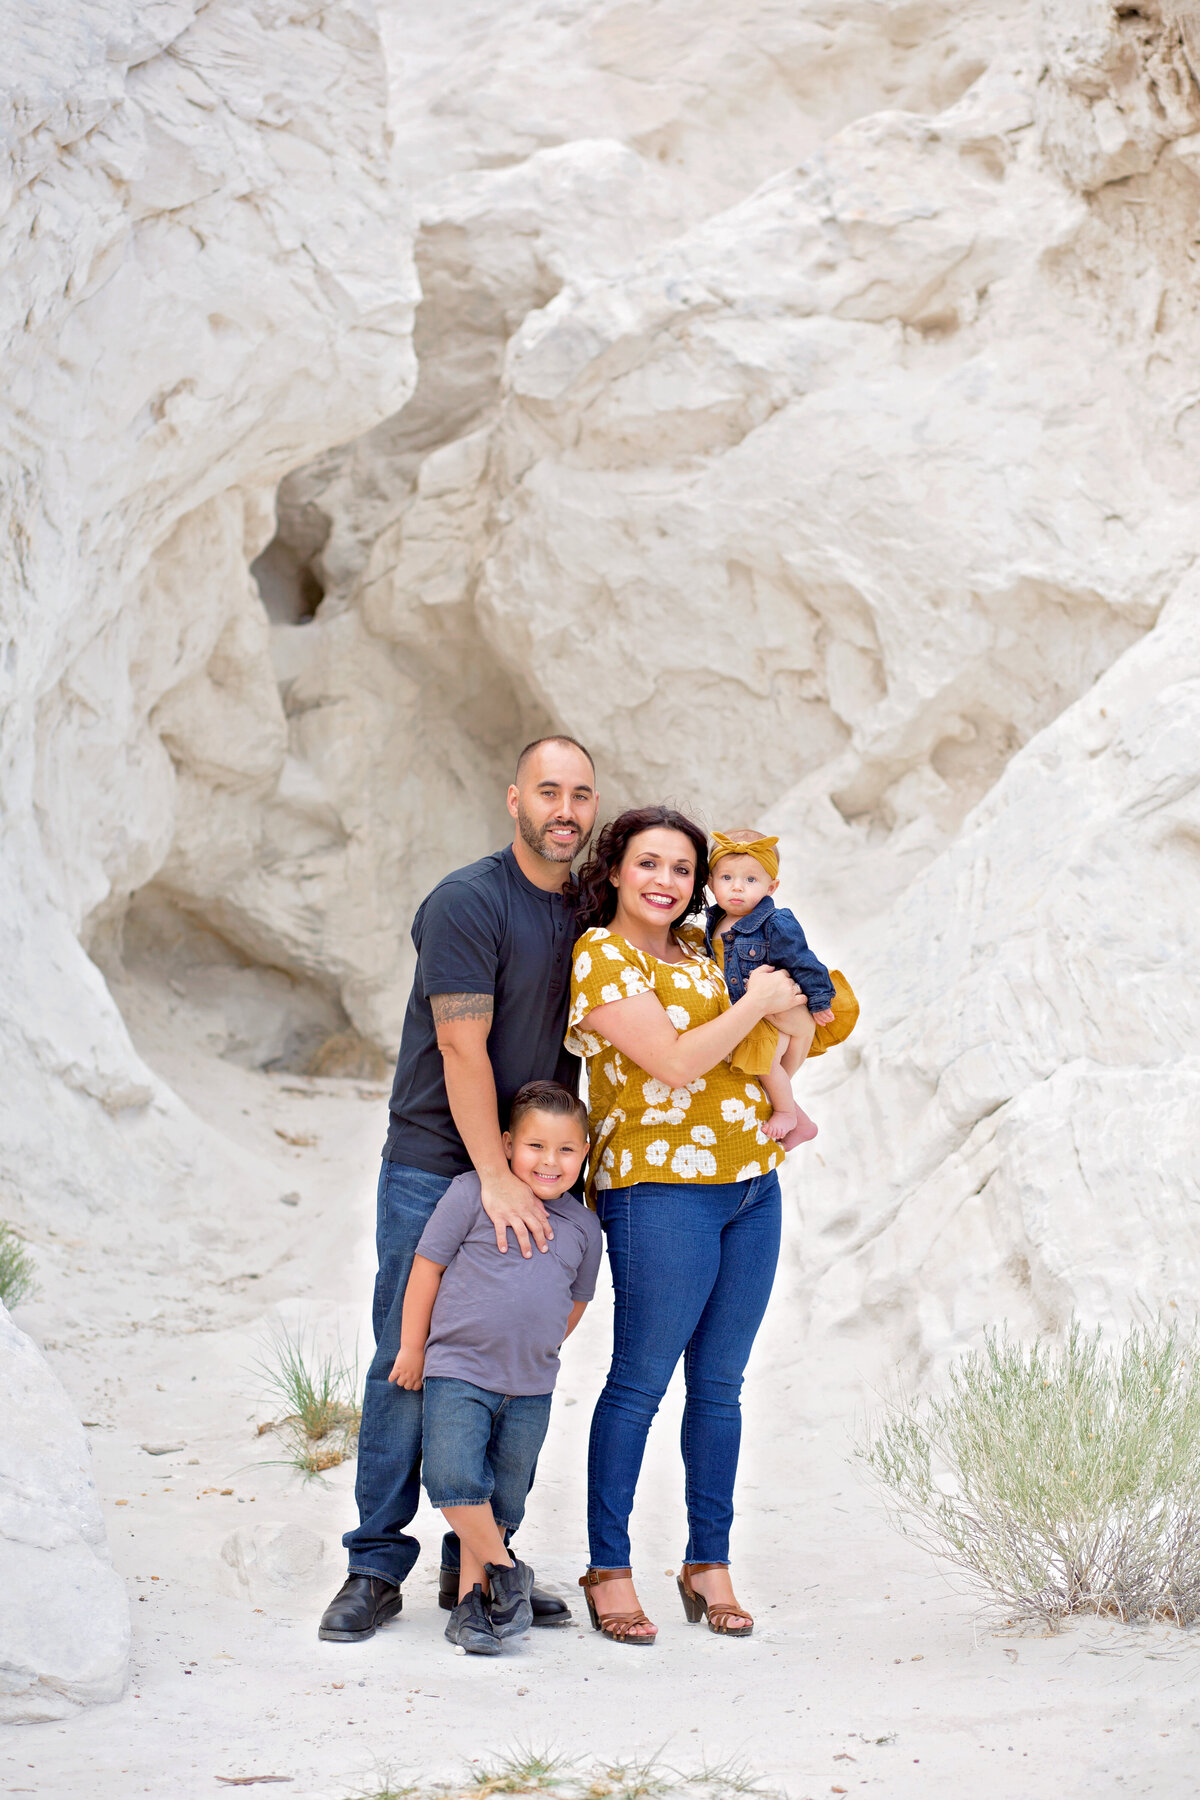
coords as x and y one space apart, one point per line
408 1370
824 1017
507 1201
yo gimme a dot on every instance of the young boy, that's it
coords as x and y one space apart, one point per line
481 1329
745 929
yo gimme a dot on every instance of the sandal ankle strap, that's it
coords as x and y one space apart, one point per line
595 1577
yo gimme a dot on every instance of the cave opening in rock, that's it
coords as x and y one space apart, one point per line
289 573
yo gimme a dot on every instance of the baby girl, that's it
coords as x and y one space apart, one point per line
745 929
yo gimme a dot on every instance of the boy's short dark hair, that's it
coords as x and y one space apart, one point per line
549 1097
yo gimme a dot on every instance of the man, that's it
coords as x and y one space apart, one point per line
487 1013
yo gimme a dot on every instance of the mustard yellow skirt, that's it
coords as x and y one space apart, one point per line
756 1052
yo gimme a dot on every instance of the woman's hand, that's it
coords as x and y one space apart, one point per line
772 990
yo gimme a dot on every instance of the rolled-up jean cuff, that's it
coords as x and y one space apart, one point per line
372 1574
473 1500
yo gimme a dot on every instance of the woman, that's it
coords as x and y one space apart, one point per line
683 1179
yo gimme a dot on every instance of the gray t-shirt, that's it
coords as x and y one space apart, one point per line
498 1320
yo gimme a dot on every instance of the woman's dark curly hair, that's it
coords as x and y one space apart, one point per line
598 896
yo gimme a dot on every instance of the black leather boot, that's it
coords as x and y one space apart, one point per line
360 1605
548 1609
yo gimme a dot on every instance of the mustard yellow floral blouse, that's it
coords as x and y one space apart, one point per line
643 1130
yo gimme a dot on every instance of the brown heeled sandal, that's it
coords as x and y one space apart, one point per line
618 1628
719 1613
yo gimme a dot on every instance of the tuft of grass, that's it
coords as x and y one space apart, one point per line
17 1278
319 1392
522 1771
541 1771
1062 1479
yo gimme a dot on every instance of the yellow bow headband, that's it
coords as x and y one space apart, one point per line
761 849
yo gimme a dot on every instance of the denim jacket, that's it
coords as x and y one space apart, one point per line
769 934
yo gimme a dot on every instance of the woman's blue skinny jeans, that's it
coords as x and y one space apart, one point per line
692 1269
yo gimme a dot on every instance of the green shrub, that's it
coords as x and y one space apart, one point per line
531 1772
319 1389
1059 1479
17 1281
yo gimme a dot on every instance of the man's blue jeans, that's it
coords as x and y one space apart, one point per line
692 1269
388 1484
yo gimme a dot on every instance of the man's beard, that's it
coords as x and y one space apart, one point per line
538 838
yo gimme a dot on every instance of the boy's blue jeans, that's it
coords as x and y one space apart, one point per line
481 1446
692 1269
388 1483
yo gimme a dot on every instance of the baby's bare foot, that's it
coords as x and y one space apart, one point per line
780 1123
802 1133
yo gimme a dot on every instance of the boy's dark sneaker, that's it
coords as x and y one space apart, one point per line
548 1609
361 1604
470 1628
509 1607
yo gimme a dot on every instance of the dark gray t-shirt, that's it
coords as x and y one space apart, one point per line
485 929
499 1319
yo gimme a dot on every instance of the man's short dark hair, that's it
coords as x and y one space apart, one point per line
555 737
548 1097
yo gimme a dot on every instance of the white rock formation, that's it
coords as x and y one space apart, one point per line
806 418
270 1560
207 279
853 488
64 1619
1018 1136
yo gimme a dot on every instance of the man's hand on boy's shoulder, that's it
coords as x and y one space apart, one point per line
510 1205
408 1370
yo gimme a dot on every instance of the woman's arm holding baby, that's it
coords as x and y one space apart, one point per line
639 1027
408 1370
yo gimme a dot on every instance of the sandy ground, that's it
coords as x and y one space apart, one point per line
866 1670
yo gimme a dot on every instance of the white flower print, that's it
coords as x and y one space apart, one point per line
608 1159
679 1017
707 988
753 1092
656 1153
626 1162
747 1172
654 1092
583 965
609 993
689 1161
703 1134
681 981
733 1110
610 1074
662 1115
599 931
635 981
603 1178
681 1097
612 953
698 1086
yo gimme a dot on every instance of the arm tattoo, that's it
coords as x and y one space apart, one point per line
447 1007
